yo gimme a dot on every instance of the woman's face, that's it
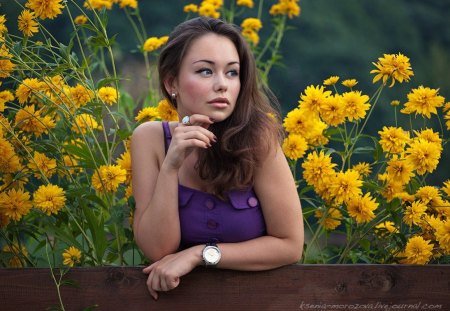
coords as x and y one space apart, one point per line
208 81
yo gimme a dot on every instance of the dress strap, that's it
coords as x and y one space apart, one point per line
167 135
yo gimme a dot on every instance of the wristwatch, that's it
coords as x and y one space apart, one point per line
211 254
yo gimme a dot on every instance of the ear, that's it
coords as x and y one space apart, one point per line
171 85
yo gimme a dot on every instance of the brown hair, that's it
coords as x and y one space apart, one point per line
244 138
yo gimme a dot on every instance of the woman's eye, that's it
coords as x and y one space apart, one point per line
233 73
204 71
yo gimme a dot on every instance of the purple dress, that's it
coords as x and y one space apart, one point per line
204 218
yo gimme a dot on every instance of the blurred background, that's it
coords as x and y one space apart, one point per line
328 38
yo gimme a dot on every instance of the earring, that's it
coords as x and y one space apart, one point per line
174 96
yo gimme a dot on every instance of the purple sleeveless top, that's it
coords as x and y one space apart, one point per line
204 218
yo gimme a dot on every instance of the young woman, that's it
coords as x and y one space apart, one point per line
216 188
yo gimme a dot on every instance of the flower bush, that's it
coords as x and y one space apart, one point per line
65 171
66 118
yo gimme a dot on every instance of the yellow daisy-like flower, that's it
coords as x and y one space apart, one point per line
385 228
71 256
27 25
294 146
400 170
147 114
28 88
395 103
45 8
446 187
3 27
251 35
108 95
418 251
208 9
15 203
317 167
108 178
42 165
125 163
80 20
85 123
331 80
362 168
429 195
128 3
430 136
252 23
98 4
424 101
332 110
4 220
356 105
443 235
190 8
216 3
31 121
329 219
361 208
345 186
297 121
49 198
20 253
9 161
247 3
413 214
6 65
393 139
80 95
154 43
285 7
313 98
424 155
166 111
349 83
393 66
5 97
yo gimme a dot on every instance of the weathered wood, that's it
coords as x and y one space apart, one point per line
296 287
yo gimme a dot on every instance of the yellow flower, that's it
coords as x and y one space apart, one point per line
15 203
317 167
446 187
85 123
49 198
361 208
423 155
45 8
331 80
252 23
147 114
20 253
396 67
71 256
417 251
31 121
128 3
294 146
400 170
443 235
429 195
108 95
108 178
6 65
413 213
167 111
385 228
6 96
208 9
9 161
393 139
216 3
313 98
27 89
349 83
125 163
80 19
329 219
80 95
395 103
4 220
152 44
362 168
27 24
98 4
285 7
332 110
247 3
190 8
251 35
42 165
3 27
424 101
356 105
345 186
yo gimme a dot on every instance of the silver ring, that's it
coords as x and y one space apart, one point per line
186 120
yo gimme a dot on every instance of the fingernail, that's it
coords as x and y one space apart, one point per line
211 119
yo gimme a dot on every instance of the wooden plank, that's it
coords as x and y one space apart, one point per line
296 287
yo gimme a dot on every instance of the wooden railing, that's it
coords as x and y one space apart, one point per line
296 287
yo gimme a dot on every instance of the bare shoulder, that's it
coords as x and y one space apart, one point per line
148 138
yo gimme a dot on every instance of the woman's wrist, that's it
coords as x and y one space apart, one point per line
196 254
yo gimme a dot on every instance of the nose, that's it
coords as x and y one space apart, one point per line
220 83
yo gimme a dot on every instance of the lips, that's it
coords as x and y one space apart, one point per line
219 101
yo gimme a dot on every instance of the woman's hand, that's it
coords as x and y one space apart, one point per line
165 274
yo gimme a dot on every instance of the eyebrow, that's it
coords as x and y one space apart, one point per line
212 63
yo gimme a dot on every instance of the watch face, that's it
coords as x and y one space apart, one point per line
211 255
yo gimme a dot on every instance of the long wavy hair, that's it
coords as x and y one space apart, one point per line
246 137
